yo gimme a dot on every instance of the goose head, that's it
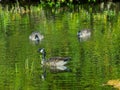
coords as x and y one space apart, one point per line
41 50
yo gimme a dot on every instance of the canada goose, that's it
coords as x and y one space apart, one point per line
54 61
36 36
84 34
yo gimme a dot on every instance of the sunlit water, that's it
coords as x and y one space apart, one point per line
93 61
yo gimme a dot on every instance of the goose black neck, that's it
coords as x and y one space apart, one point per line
43 55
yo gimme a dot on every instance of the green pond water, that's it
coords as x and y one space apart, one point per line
93 62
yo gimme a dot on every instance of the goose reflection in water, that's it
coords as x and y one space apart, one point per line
53 70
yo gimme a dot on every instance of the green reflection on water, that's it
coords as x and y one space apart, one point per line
93 62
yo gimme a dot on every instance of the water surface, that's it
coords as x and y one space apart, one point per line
93 61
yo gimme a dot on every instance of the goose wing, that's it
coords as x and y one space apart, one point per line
59 59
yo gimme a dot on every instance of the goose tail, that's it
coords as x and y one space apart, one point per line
67 59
